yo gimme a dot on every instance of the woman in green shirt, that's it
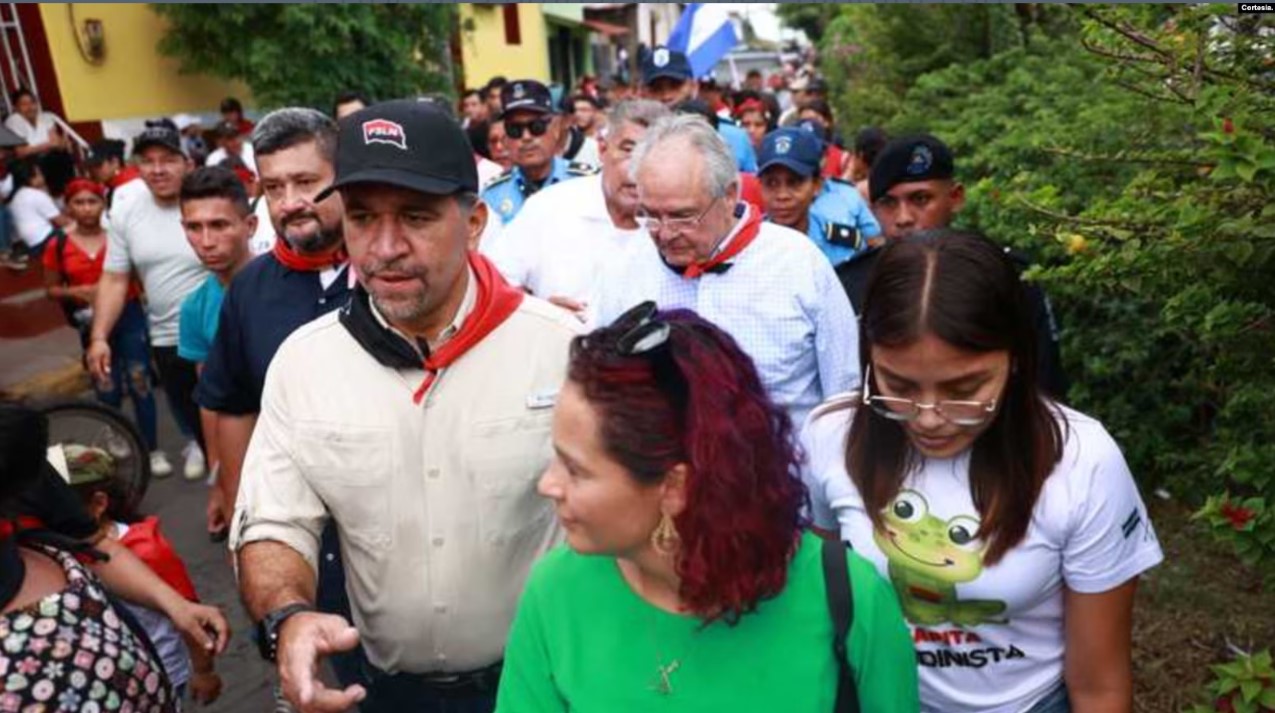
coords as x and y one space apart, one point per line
687 582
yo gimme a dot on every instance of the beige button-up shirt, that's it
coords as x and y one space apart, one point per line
436 504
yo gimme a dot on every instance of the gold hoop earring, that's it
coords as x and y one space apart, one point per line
665 539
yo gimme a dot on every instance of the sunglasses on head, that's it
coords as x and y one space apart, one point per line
646 335
537 127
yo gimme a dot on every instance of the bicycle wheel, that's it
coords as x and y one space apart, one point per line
92 436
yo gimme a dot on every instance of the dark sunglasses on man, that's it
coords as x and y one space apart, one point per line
538 127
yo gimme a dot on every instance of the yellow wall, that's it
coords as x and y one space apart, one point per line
485 54
134 81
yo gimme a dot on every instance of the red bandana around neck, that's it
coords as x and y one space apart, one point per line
496 301
293 260
747 233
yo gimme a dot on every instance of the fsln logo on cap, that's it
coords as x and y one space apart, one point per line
384 131
783 145
921 160
519 90
660 59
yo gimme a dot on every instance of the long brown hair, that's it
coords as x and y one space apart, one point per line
963 289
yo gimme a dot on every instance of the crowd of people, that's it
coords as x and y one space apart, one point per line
569 403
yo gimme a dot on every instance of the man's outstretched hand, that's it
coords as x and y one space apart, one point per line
304 639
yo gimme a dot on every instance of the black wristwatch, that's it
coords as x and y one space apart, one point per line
268 628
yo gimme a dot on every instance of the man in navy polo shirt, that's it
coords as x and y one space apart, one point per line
303 278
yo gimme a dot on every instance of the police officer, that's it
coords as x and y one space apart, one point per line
913 188
533 132
794 194
667 78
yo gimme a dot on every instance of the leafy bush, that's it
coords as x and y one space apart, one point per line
1130 150
302 54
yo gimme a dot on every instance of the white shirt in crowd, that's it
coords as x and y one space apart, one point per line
247 155
780 300
262 241
988 639
33 211
127 193
149 237
589 155
488 171
32 134
561 241
435 503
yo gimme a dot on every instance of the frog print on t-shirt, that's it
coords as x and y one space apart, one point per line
928 558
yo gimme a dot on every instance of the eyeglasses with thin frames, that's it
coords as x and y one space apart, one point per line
653 224
961 413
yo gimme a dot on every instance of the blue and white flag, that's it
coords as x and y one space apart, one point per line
705 34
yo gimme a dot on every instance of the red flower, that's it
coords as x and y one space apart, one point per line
1237 514
1228 126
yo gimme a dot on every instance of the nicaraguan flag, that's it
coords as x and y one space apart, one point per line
705 33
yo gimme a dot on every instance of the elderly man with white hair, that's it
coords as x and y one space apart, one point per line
767 285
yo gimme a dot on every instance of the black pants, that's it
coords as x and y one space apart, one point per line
178 378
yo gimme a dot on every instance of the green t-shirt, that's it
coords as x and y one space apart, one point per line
584 642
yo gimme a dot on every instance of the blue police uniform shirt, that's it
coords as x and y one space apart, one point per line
737 139
197 328
264 304
506 194
839 203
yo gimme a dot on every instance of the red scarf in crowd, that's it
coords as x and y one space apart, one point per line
125 175
294 260
496 301
146 541
747 233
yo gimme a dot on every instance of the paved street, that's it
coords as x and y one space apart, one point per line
37 347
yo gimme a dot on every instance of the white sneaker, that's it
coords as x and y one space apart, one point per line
195 467
160 467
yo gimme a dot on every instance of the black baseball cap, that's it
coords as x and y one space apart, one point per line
160 132
664 62
404 143
919 157
103 150
525 95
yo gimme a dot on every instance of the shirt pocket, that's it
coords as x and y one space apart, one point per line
350 468
506 457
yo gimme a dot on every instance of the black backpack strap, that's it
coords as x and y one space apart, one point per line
836 576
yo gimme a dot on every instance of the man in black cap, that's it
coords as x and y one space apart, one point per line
230 145
533 134
145 237
667 78
105 163
403 420
913 187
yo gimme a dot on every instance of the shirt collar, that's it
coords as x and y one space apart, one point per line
466 307
741 211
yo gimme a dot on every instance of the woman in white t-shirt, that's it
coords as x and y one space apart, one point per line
34 213
1009 525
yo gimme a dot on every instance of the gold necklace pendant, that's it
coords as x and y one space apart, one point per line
664 685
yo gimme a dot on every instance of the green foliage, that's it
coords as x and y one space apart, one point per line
811 18
1130 150
292 54
1245 685
876 52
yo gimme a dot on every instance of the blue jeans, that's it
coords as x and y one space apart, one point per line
131 372
1055 702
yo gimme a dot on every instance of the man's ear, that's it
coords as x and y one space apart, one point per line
478 216
251 221
958 197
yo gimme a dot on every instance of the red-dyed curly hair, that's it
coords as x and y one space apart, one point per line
744 495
